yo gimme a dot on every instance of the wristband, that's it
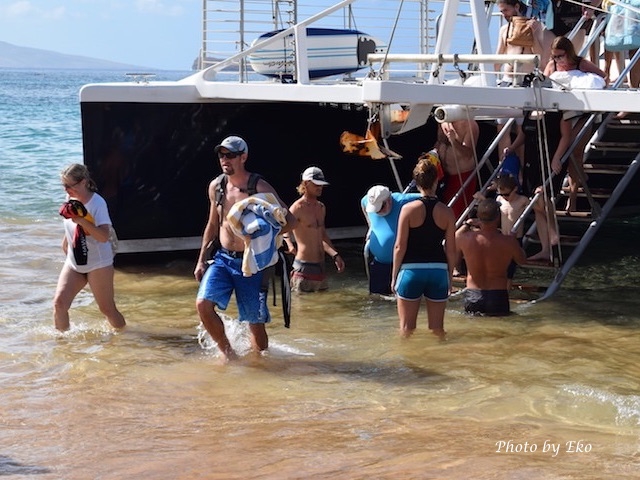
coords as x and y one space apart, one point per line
335 256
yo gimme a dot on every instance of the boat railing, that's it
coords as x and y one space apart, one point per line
300 32
381 61
140 77
231 26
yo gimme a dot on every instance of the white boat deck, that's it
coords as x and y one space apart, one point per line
403 77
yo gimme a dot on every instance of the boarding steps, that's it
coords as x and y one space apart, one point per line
611 163
612 160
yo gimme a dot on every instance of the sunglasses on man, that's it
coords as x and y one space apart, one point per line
229 155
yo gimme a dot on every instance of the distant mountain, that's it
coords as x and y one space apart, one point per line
12 56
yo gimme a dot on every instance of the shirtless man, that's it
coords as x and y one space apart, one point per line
311 236
512 206
488 253
456 147
224 276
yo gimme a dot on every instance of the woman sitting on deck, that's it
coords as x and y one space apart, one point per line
565 67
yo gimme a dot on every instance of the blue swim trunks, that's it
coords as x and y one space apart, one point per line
430 280
223 277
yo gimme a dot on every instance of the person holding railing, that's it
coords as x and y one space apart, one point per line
564 16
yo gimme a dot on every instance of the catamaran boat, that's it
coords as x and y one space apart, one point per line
293 79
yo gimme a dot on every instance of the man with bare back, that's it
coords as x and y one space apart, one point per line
310 240
456 147
488 254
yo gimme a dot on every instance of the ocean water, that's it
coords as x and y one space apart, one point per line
548 393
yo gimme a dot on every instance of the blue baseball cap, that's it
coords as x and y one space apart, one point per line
233 144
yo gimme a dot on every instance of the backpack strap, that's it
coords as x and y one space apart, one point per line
252 183
221 188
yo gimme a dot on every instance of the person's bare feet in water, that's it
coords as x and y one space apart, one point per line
440 333
227 355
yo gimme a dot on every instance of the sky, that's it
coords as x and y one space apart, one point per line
157 34
160 34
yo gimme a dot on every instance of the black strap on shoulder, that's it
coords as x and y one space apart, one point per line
221 186
252 183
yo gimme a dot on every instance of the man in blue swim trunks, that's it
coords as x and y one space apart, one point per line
381 209
488 254
224 276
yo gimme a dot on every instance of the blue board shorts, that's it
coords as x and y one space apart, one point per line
430 280
223 277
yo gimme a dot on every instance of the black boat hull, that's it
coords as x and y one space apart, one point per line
153 162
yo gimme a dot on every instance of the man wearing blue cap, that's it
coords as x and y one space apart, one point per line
225 276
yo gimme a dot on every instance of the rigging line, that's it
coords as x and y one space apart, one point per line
394 169
391 36
546 177
599 8
474 141
352 17
375 116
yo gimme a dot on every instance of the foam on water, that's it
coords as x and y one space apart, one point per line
625 406
240 339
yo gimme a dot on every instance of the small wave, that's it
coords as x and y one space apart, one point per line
239 337
626 406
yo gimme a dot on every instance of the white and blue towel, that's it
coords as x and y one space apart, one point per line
258 219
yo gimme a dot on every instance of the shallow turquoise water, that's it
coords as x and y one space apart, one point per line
339 395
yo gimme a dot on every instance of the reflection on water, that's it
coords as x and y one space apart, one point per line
550 392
